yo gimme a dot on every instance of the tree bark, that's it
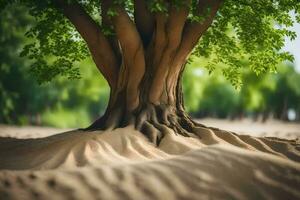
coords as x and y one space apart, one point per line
143 63
104 57
154 119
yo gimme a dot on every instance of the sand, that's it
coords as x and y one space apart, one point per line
270 128
122 164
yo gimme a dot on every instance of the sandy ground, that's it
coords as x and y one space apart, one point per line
28 131
271 128
122 164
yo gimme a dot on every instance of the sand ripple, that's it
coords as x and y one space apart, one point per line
122 164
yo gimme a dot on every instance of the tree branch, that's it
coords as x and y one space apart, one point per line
107 23
168 32
99 46
133 54
159 40
144 21
194 30
175 25
167 39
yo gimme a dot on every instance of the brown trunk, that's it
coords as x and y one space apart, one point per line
152 116
143 63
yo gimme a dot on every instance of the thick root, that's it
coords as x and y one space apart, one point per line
157 121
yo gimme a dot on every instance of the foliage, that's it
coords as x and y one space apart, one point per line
248 30
210 95
22 101
244 40
287 93
251 31
13 81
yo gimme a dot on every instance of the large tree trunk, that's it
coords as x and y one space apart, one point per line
155 108
143 63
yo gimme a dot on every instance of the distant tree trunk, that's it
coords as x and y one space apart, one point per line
266 115
298 115
284 110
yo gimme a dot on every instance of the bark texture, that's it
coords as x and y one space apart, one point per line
143 63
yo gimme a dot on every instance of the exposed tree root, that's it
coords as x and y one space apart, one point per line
153 121
156 122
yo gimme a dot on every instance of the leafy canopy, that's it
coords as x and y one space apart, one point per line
251 31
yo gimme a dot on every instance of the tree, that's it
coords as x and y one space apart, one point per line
23 101
287 94
141 48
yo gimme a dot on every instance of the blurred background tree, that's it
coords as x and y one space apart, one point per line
59 103
269 95
24 101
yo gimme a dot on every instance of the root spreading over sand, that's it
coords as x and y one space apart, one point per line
123 164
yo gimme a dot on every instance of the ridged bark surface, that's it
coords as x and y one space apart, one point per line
143 62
